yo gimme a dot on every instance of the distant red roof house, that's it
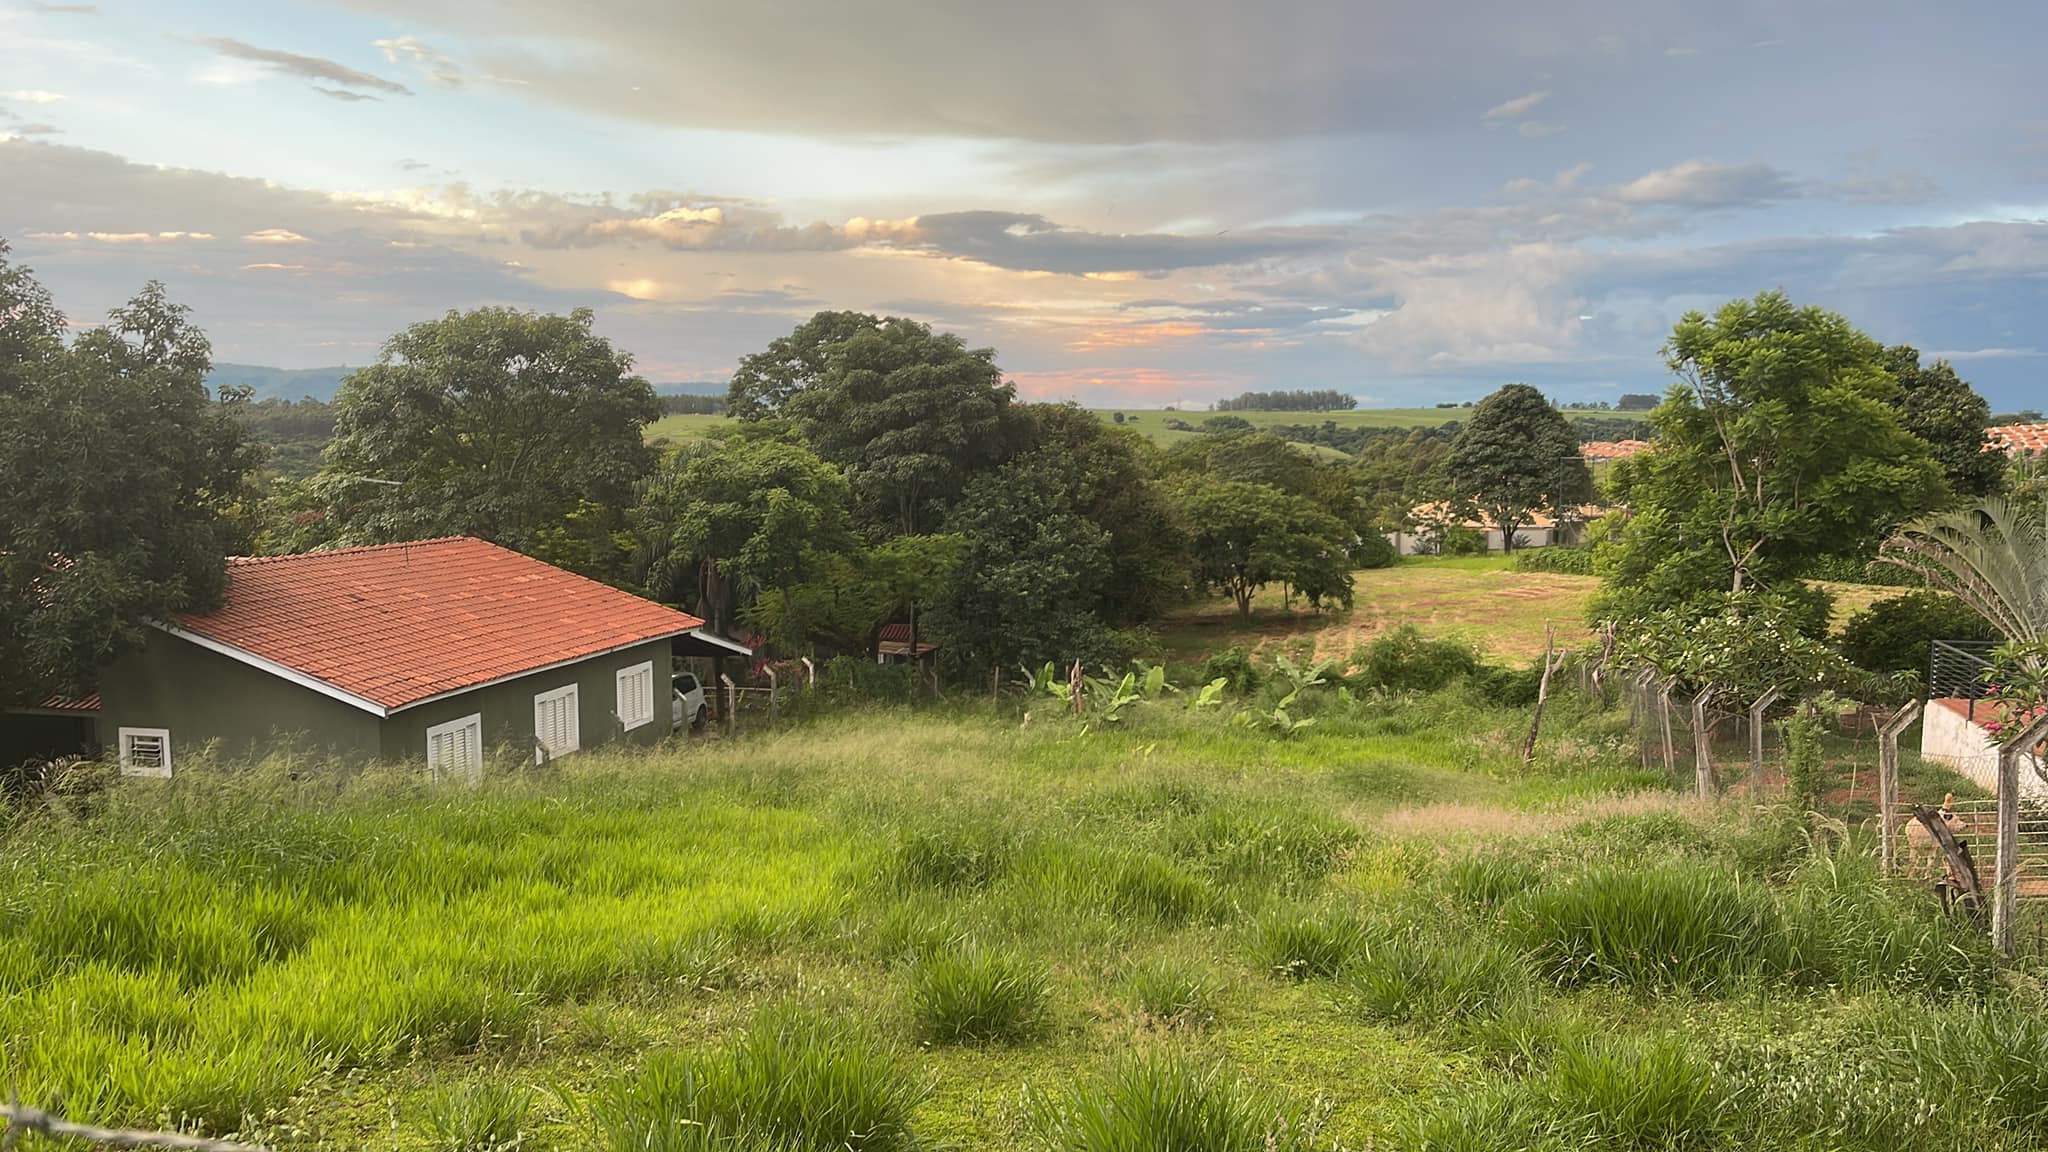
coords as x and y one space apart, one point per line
894 643
395 624
1612 449
2014 439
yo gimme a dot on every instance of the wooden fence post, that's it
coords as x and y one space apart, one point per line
1756 739
810 673
1639 711
995 684
1664 718
731 704
1551 663
1703 743
2005 898
1888 785
1077 687
774 696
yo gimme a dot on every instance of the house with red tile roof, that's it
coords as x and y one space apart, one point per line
1593 450
2018 439
431 651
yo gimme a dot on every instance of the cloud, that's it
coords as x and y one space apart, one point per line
267 267
1703 184
33 129
305 67
1987 354
345 96
34 96
410 50
274 236
1517 108
63 9
122 237
1899 187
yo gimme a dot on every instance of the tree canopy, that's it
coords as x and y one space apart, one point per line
907 413
1782 443
1516 457
494 423
119 475
1247 536
1941 408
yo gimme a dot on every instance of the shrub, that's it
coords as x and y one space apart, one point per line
1857 570
483 1117
1895 635
966 994
1297 944
1235 668
1508 687
1374 550
1403 660
797 1081
1564 561
1173 990
1417 979
1161 1101
1222 424
1459 540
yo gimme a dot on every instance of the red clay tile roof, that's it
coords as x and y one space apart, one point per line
68 703
2014 439
395 624
1612 449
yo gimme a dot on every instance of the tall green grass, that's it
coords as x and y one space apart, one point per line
798 1081
968 994
1162 1100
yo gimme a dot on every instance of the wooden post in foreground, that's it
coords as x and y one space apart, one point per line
1551 663
1664 718
1756 739
731 704
1888 784
1703 743
810 673
2005 898
1077 687
774 696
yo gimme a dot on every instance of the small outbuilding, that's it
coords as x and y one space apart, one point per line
430 651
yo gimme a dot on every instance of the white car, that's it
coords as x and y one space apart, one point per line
687 706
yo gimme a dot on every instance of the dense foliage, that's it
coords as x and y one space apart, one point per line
1895 635
121 480
1325 400
1516 458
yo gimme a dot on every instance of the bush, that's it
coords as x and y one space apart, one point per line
1855 570
965 994
1221 424
1160 1101
1374 550
797 1082
1234 666
1403 660
1459 540
1565 561
1508 687
1895 635
1297 944
485 1117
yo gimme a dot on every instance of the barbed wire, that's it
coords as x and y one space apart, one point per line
21 1118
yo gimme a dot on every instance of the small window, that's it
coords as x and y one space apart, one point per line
686 683
455 750
636 695
555 726
145 752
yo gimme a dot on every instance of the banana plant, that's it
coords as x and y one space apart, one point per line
1211 695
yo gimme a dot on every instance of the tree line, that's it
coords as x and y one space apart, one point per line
1324 400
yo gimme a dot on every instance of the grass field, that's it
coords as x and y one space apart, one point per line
882 929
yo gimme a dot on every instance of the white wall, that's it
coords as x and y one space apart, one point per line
1948 737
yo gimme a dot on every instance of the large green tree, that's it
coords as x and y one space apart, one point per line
1517 457
909 414
738 517
1245 537
1941 408
494 423
1113 482
1781 443
119 473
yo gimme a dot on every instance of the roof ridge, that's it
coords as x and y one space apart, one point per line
360 548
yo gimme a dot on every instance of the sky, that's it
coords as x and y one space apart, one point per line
1139 203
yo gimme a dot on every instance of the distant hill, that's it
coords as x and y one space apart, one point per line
280 383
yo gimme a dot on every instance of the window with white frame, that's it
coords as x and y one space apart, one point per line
636 695
555 730
455 750
145 752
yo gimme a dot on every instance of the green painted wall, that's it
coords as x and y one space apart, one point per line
202 697
507 708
